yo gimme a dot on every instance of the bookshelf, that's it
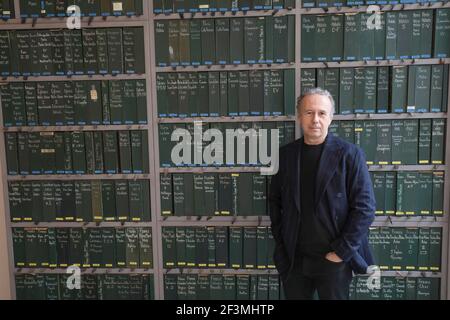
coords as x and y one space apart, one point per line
158 222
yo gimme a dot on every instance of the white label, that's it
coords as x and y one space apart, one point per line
117 6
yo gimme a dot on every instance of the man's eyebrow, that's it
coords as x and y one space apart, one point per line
309 109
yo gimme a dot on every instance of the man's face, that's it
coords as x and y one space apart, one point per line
315 114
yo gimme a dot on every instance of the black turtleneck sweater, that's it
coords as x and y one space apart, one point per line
313 239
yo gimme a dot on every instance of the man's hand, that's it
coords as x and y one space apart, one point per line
333 257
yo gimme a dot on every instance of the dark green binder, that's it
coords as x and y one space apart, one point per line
437 141
110 152
78 152
162 38
222 30
133 50
169 247
121 200
191 252
195 42
249 248
145 248
109 200
115 51
132 247
438 193
237 41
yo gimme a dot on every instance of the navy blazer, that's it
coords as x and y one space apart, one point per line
344 200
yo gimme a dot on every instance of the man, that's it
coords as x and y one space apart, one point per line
321 206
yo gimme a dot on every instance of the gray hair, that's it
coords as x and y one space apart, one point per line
319 91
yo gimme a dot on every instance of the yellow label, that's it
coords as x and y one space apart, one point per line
226 213
211 265
396 268
221 264
146 263
383 162
108 265
438 212
410 213
358 129
410 268
117 6
424 161
70 218
437 162
120 263
86 265
261 267
28 219
236 265
191 264
59 219
202 264
109 219
204 6
425 212
47 150
270 266
434 268
95 265
166 212
136 219
369 162
396 162
170 264
235 174
94 94
64 265
17 219
423 268
45 264
53 266
79 220
399 213
6 12
379 212
249 266
133 263
181 263
21 264
390 212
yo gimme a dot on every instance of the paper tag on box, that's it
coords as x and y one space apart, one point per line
94 94
117 6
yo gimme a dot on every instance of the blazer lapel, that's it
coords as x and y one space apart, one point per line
329 160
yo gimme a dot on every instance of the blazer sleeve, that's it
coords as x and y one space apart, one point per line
361 213
281 258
